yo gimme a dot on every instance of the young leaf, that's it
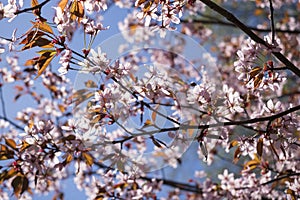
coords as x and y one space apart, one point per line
34 3
37 12
90 84
42 26
237 155
256 70
62 4
38 41
20 184
88 159
257 80
11 143
154 114
252 164
147 6
140 2
44 61
76 10
31 35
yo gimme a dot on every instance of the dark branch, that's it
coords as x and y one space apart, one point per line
12 123
39 6
272 21
230 123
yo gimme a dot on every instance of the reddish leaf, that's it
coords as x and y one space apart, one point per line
237 155
233 143
44 61
11 143
42 25
40 42
259 147
62 4
31 35
19 184
88 159
91 84
76 10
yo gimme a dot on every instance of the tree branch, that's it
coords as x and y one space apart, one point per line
230 17
223 23
39 6
12 123
206 126
272 21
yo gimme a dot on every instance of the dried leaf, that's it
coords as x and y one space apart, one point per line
252 164
156 143
11 143
62 4
76 10
31 35
140 2
42 25
258 11
256 70
258 80
24 146
34 3
88 159
148 123
61 108
20 184
236 155
40 42
147 6
44 61
154 114
91 84
69 159
5 175
6 153
259 147
233 143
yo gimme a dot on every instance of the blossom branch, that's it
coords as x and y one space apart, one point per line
229 16
206 126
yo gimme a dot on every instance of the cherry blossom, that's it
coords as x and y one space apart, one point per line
190 100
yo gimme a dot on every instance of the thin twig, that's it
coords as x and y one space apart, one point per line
223 23
12 123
